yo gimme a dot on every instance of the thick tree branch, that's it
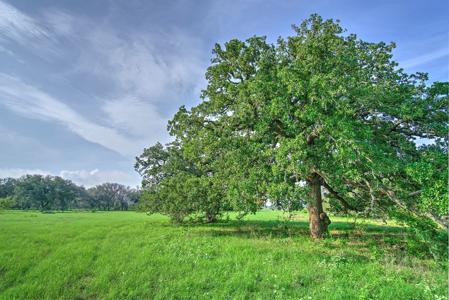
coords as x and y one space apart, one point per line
345 203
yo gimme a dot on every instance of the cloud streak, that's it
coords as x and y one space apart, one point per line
146 74
16 26
425 58
136 117
33 103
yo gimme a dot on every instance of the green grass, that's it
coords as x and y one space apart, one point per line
129 255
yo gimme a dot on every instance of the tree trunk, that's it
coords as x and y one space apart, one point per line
211 217
318 219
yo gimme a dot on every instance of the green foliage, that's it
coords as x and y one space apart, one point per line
38 192
178 187
129 255
426 238
7 202
7 187
430 173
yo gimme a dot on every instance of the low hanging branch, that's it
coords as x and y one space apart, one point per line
343 201
391 195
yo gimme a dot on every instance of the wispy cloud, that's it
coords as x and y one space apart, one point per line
146 74
11 54
154 66
425 58
31 102
17 26
59 22
37 36
134 116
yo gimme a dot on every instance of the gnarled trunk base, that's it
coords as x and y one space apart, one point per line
318 223
318 219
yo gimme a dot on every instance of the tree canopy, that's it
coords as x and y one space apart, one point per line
318 111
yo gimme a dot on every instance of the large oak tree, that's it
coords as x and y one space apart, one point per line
321 110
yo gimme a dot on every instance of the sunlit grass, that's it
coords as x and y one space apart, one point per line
129 255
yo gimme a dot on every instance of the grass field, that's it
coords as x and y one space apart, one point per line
129 255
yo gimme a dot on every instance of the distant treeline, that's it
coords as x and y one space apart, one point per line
56 193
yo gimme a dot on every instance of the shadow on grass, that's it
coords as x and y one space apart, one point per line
285 229
366 240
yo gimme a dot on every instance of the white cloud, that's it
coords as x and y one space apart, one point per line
17 172
94 177
81 177
31 102
135 116
425 58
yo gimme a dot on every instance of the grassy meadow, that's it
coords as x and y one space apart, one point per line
130 255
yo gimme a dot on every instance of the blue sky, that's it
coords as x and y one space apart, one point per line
86 85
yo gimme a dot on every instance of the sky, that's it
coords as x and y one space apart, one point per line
85 86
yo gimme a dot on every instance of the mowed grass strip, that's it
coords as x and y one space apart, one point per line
130 255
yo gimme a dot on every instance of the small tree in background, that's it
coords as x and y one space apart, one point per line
112 196
45 193
34 192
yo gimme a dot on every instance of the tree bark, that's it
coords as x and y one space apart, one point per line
318 219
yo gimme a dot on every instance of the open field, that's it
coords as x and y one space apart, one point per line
129 255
